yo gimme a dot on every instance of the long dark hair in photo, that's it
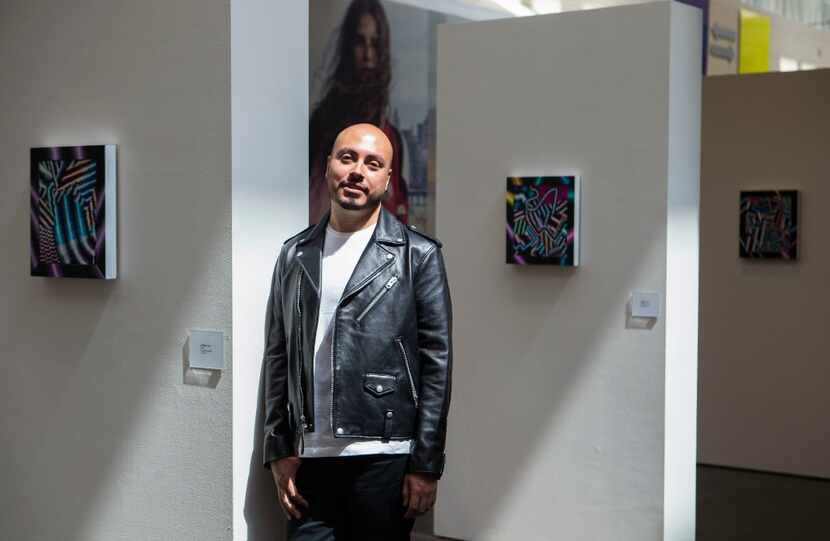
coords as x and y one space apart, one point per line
352 95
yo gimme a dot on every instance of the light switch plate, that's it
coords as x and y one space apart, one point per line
645 304
207 349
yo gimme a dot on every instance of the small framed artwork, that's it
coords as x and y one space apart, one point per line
543 220
769 224
73 221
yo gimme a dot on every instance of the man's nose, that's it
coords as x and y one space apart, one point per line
355 175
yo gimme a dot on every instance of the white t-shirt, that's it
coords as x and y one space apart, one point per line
341 252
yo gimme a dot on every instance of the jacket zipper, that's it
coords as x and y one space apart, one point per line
301 424
333 342
334 335
408 371
391 282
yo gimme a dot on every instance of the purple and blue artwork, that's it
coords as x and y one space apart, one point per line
769 224
543 220
70 233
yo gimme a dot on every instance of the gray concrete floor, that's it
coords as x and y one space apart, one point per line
747 505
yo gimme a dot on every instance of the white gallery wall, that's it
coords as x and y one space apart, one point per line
569 420
269 72
106 435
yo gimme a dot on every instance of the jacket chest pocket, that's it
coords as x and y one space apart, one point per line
379 384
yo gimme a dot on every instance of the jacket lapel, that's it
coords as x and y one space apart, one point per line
374 259
378 255
310 253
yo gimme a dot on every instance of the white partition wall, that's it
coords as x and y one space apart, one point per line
682 279
569 420
107 432
269 96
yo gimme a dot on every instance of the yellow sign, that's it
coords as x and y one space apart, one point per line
754 46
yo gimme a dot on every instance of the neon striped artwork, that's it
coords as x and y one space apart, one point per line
542 220
769 224
68 222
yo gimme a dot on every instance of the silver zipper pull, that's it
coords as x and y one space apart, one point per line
391 282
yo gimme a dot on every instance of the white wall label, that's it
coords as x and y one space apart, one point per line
645 304
207 349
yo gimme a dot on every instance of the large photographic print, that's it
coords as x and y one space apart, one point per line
374 61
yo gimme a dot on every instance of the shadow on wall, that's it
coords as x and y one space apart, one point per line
263 514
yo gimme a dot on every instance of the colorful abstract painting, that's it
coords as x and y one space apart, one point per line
543 220
769 224
73 211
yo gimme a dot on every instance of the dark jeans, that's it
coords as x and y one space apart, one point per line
352 498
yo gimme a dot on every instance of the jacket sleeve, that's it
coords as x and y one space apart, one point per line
434 309
278 441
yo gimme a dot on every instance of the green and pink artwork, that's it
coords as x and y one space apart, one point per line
73 215
543 220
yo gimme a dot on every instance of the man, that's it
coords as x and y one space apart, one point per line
358 360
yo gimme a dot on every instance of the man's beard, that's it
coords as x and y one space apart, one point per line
349 203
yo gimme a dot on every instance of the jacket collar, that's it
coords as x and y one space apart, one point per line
388 231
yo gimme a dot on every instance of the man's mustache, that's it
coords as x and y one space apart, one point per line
353 185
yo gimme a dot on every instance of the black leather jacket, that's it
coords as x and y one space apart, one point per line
392 348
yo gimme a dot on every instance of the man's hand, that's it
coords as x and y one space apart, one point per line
283 471
419 492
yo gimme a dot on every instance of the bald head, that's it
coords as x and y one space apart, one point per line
368 134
